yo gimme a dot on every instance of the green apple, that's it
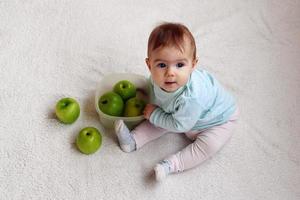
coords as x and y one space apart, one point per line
134 107
111 103
89 140
125 89
67 110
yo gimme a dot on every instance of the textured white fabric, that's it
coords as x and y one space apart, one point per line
53 49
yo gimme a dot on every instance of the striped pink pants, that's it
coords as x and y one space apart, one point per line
205 143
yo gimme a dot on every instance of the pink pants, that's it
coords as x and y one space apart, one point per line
205 143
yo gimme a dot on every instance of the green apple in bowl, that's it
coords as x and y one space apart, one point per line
134 107
125 89
111 103
89 140
67 110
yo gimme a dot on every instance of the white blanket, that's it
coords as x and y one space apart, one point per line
55 49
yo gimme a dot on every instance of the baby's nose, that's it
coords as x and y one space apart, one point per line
170 71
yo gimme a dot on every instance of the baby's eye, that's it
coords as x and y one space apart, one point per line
161 65
180 65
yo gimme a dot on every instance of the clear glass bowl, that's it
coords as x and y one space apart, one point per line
106 84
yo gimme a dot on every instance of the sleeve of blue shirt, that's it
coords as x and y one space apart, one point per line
183 119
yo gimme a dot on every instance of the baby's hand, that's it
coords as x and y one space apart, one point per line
148 110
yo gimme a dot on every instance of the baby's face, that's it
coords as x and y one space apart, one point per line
170 68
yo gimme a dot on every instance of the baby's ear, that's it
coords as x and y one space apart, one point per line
195 61
148 63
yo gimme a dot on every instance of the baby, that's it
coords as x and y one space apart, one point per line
184 99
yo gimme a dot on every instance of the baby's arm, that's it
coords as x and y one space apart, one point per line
148 110
182 120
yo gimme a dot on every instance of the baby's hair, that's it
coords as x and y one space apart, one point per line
170 34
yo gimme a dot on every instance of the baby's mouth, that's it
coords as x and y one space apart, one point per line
170 82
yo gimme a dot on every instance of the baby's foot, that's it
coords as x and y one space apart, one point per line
126 140
162 169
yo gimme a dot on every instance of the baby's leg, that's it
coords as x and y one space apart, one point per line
142 134
146 132
206 144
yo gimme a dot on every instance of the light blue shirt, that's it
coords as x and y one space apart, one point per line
200 104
